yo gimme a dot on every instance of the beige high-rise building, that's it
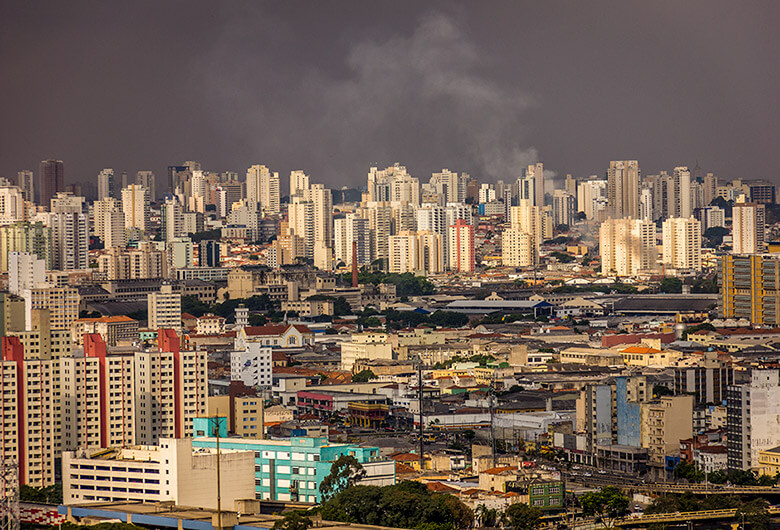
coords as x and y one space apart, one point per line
135 204
416 252
262 188
62 303
11 205
682 243
348 230
627 247
31 414
95 400
748 228
402 249
300 215
299 183
682 192
110 223
460 246
623 189
517 248
322 202
535 173
164 308
133 264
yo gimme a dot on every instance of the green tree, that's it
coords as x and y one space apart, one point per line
670 285
562 257
294 520
755 513
344 473
487 517
363 376
520 516
449 319
341 307
714 236
606 505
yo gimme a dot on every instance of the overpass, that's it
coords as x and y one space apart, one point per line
681 517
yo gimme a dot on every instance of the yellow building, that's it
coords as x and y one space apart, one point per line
646 356
769 461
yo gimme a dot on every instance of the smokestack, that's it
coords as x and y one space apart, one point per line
354 264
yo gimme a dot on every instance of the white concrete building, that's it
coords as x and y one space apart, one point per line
748 228
682 243
627 246
25 271
251 361
172 471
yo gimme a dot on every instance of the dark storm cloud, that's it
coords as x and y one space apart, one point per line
333 87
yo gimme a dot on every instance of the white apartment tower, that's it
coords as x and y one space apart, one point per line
627 246
262 188
748 228
682 243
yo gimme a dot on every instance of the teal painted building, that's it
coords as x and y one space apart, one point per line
292 469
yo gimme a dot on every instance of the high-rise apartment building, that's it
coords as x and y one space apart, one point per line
70 240
25 271
623 189
299 183
12 207
135 205
682 243
748 288
34 238
171 220
51 180
627 247
147 180
109 223
350 230
752 410
93 399
106 187
61 302
164 308
535 173
518 248
25 179
460 245
564 208
262 188
682 192
748 228
30 414
322 203
591 196
209 253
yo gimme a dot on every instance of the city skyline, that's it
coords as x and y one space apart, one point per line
483 91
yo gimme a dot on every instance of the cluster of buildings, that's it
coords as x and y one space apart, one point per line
148 336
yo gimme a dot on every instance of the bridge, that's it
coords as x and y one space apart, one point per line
681 517
636 486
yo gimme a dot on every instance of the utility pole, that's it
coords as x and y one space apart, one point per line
219 484
422 423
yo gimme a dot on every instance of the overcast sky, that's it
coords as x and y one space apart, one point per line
335 87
